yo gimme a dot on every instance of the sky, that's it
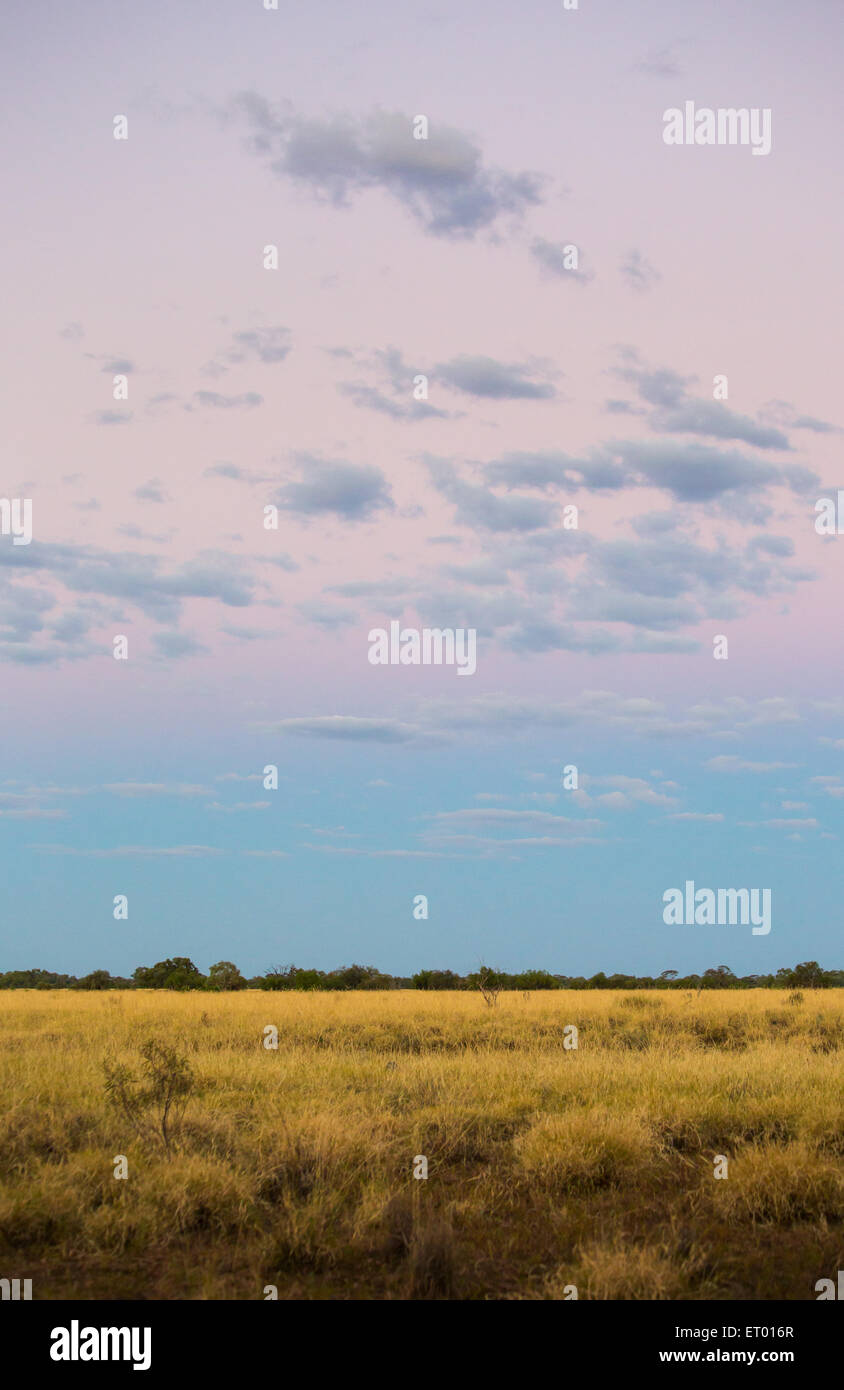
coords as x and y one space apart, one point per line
171 389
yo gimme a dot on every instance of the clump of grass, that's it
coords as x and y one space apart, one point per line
590 1149
618 1270
771 1183
430 1258
396 1224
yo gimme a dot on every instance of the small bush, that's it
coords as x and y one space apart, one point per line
155 1109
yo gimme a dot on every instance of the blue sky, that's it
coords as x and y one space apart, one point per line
517 870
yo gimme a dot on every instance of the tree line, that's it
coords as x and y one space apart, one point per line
180 973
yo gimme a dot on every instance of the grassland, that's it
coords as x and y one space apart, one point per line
547 1167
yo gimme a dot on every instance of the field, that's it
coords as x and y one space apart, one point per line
548 1166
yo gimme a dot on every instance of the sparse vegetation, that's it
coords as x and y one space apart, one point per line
180 973
547 1167
489 985
154 1110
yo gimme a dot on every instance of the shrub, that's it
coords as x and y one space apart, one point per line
154 1110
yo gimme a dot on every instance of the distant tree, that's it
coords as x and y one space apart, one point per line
176 973
277 977
225 975
291 977
306 979
378 981
35 979
358 977
437 979
808 975
719 978
533 979
180 973
98 979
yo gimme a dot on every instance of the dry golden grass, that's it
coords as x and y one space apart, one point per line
547 1167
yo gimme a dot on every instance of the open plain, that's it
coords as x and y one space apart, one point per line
550 1167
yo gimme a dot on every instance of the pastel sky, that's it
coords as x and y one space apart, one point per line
293 387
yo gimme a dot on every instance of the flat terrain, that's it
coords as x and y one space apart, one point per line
547 1167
